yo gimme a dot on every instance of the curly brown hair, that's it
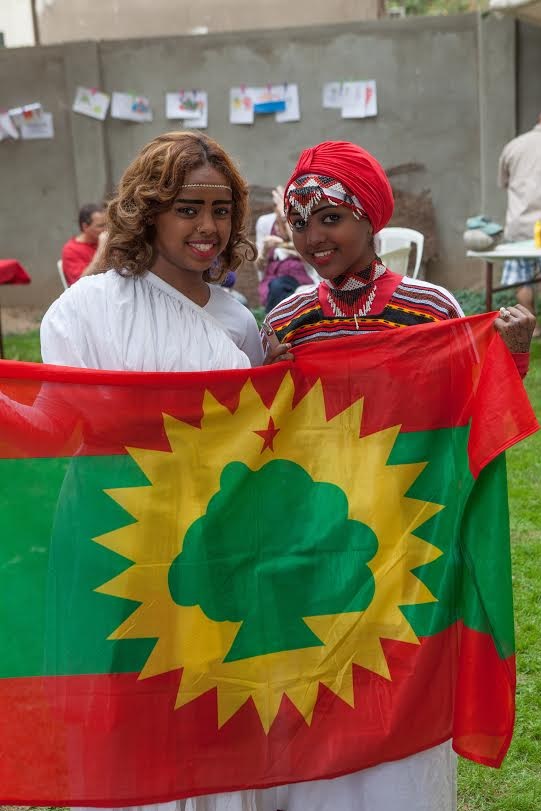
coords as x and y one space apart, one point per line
150 185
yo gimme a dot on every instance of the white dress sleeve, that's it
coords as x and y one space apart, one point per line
237 321
62 337
110 321
252 345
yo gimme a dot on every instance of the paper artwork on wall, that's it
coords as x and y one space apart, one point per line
201 121
269 99
292 111
370 98
359 99
91 102
356 99
37 128
29 113
7 127
241 105
190 106
130 107
332 96
182 105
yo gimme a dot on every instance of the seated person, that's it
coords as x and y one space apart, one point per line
79 252
280 267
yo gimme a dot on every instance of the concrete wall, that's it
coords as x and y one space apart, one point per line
497 106
427 73
528 75
38 193
43 182
66 20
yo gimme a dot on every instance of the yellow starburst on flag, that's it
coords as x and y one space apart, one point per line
275 499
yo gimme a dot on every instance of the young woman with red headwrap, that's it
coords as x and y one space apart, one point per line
336 200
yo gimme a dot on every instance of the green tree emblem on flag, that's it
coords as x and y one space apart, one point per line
273 547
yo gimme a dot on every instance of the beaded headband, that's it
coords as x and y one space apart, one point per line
304 193
206 186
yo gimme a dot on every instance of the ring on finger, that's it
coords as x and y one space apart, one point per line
505 314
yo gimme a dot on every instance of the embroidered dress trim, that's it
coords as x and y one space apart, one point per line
399 302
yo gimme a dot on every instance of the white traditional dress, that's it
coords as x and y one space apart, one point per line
113 322
128 323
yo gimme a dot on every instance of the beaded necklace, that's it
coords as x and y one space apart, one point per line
353 294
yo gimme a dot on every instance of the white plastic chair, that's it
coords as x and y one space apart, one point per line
61 274
392 239
263 228
397 260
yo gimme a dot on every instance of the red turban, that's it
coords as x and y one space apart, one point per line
356 169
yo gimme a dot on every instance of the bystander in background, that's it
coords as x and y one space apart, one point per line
280 268
79 254
520 174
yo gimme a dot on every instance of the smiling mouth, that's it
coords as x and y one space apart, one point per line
322 257
203 248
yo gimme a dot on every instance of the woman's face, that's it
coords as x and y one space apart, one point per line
196 229
333 240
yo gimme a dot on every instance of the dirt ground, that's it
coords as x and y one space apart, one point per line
16 320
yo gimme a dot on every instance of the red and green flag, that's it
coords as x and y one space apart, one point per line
245 578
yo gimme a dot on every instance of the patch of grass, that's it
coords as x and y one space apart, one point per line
23 347
517 785
259 314
473 301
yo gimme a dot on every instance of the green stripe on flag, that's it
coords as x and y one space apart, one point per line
28 496
473 534
50 510
52 620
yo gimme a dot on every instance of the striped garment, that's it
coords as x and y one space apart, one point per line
522 270
399 302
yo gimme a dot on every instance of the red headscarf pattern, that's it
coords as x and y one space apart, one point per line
357 169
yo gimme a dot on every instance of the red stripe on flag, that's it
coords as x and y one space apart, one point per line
421 378
113 740
485 702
